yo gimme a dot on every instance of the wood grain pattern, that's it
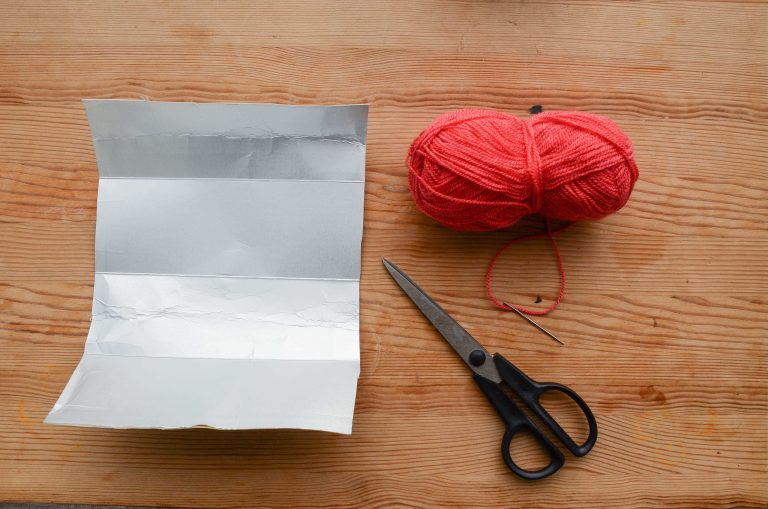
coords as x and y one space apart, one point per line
665 319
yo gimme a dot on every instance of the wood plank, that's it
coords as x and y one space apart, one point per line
646 263
664 321
49 173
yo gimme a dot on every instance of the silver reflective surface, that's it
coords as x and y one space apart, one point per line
245 228
228 245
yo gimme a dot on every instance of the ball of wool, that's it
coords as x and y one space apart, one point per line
479 170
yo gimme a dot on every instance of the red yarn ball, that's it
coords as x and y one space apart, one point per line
483 170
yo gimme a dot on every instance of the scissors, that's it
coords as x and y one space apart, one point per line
490 372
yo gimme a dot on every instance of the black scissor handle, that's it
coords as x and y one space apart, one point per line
530 392
516 421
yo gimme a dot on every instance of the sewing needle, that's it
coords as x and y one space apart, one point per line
532 322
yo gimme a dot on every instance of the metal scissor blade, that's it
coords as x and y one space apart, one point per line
461 341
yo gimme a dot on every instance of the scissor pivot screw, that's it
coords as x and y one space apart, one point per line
476 357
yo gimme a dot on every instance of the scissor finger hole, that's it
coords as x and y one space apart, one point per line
527 452
567 413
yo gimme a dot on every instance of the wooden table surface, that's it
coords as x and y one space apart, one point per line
665 317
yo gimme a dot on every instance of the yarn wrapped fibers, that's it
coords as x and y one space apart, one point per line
479 170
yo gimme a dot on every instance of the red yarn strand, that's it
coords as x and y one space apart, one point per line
560 267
